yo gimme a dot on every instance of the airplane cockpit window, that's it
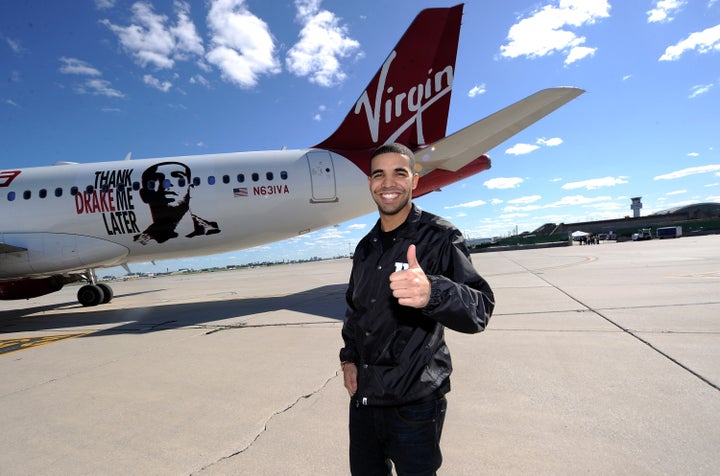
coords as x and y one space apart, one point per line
42 193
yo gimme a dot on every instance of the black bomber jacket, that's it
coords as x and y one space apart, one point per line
400 352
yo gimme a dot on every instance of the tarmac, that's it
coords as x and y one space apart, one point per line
601 359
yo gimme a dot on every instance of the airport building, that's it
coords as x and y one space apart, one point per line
695 219
699 218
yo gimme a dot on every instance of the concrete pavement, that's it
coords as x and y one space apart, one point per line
599 359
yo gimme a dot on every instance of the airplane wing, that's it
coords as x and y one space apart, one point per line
5 248
462 154
458 149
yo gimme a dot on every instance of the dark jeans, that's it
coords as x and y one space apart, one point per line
407 435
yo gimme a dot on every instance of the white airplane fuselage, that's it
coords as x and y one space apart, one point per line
236 200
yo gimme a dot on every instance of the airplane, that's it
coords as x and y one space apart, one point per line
65 221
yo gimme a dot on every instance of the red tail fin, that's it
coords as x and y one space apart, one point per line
408 99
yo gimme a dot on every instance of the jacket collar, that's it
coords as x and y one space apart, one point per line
409 226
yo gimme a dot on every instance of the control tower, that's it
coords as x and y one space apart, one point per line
635 206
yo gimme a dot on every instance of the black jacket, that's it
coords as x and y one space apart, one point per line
400 352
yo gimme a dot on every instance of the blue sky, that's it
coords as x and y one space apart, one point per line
92 80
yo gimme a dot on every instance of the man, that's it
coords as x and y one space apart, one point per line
411 277
166 190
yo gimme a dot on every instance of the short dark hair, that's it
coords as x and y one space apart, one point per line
397 148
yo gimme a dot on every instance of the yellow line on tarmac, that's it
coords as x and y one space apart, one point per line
8 346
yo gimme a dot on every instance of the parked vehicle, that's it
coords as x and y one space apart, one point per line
669 232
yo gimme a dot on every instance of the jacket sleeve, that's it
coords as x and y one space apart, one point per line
460 298
348 353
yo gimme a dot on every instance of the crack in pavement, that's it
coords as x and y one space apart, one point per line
267 421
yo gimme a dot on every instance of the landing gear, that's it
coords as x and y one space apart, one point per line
93 293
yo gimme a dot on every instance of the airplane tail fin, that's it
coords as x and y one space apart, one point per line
409 98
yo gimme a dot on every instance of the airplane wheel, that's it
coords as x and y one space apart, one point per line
90 295
107 293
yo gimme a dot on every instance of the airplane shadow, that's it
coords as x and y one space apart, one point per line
324 301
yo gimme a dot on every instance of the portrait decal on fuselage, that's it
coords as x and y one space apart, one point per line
165 188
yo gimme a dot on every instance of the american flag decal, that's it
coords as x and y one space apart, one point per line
240 192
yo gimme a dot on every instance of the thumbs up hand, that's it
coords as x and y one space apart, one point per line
411 287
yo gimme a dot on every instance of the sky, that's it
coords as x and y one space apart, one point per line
94 80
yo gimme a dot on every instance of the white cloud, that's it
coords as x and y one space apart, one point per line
477 90
497 201
163 86
358 226
98 87
703 42
241 46
10 102
472 204
688 171
528 199
664 10
549 30
521 149
76 66
553 142
503 182
323 43
676 192
151 42
699 89
577 200
592 184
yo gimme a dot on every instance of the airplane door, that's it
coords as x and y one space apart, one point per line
322 176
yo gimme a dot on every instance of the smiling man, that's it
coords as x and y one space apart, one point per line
412 276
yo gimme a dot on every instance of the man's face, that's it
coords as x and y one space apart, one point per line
392 182
171 185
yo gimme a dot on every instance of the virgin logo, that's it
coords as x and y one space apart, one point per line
388 105
6 177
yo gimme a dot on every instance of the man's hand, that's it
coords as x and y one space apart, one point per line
411 287
350 377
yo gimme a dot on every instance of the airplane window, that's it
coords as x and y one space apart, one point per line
42 193
73 191
167 184
181 182
196 181
89 189
11 196
255 177
211 180
226 179
27 194
150 185
283 175
105 188
136 186
269 175
241 178
58 192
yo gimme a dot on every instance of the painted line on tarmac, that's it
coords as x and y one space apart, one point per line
9 346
